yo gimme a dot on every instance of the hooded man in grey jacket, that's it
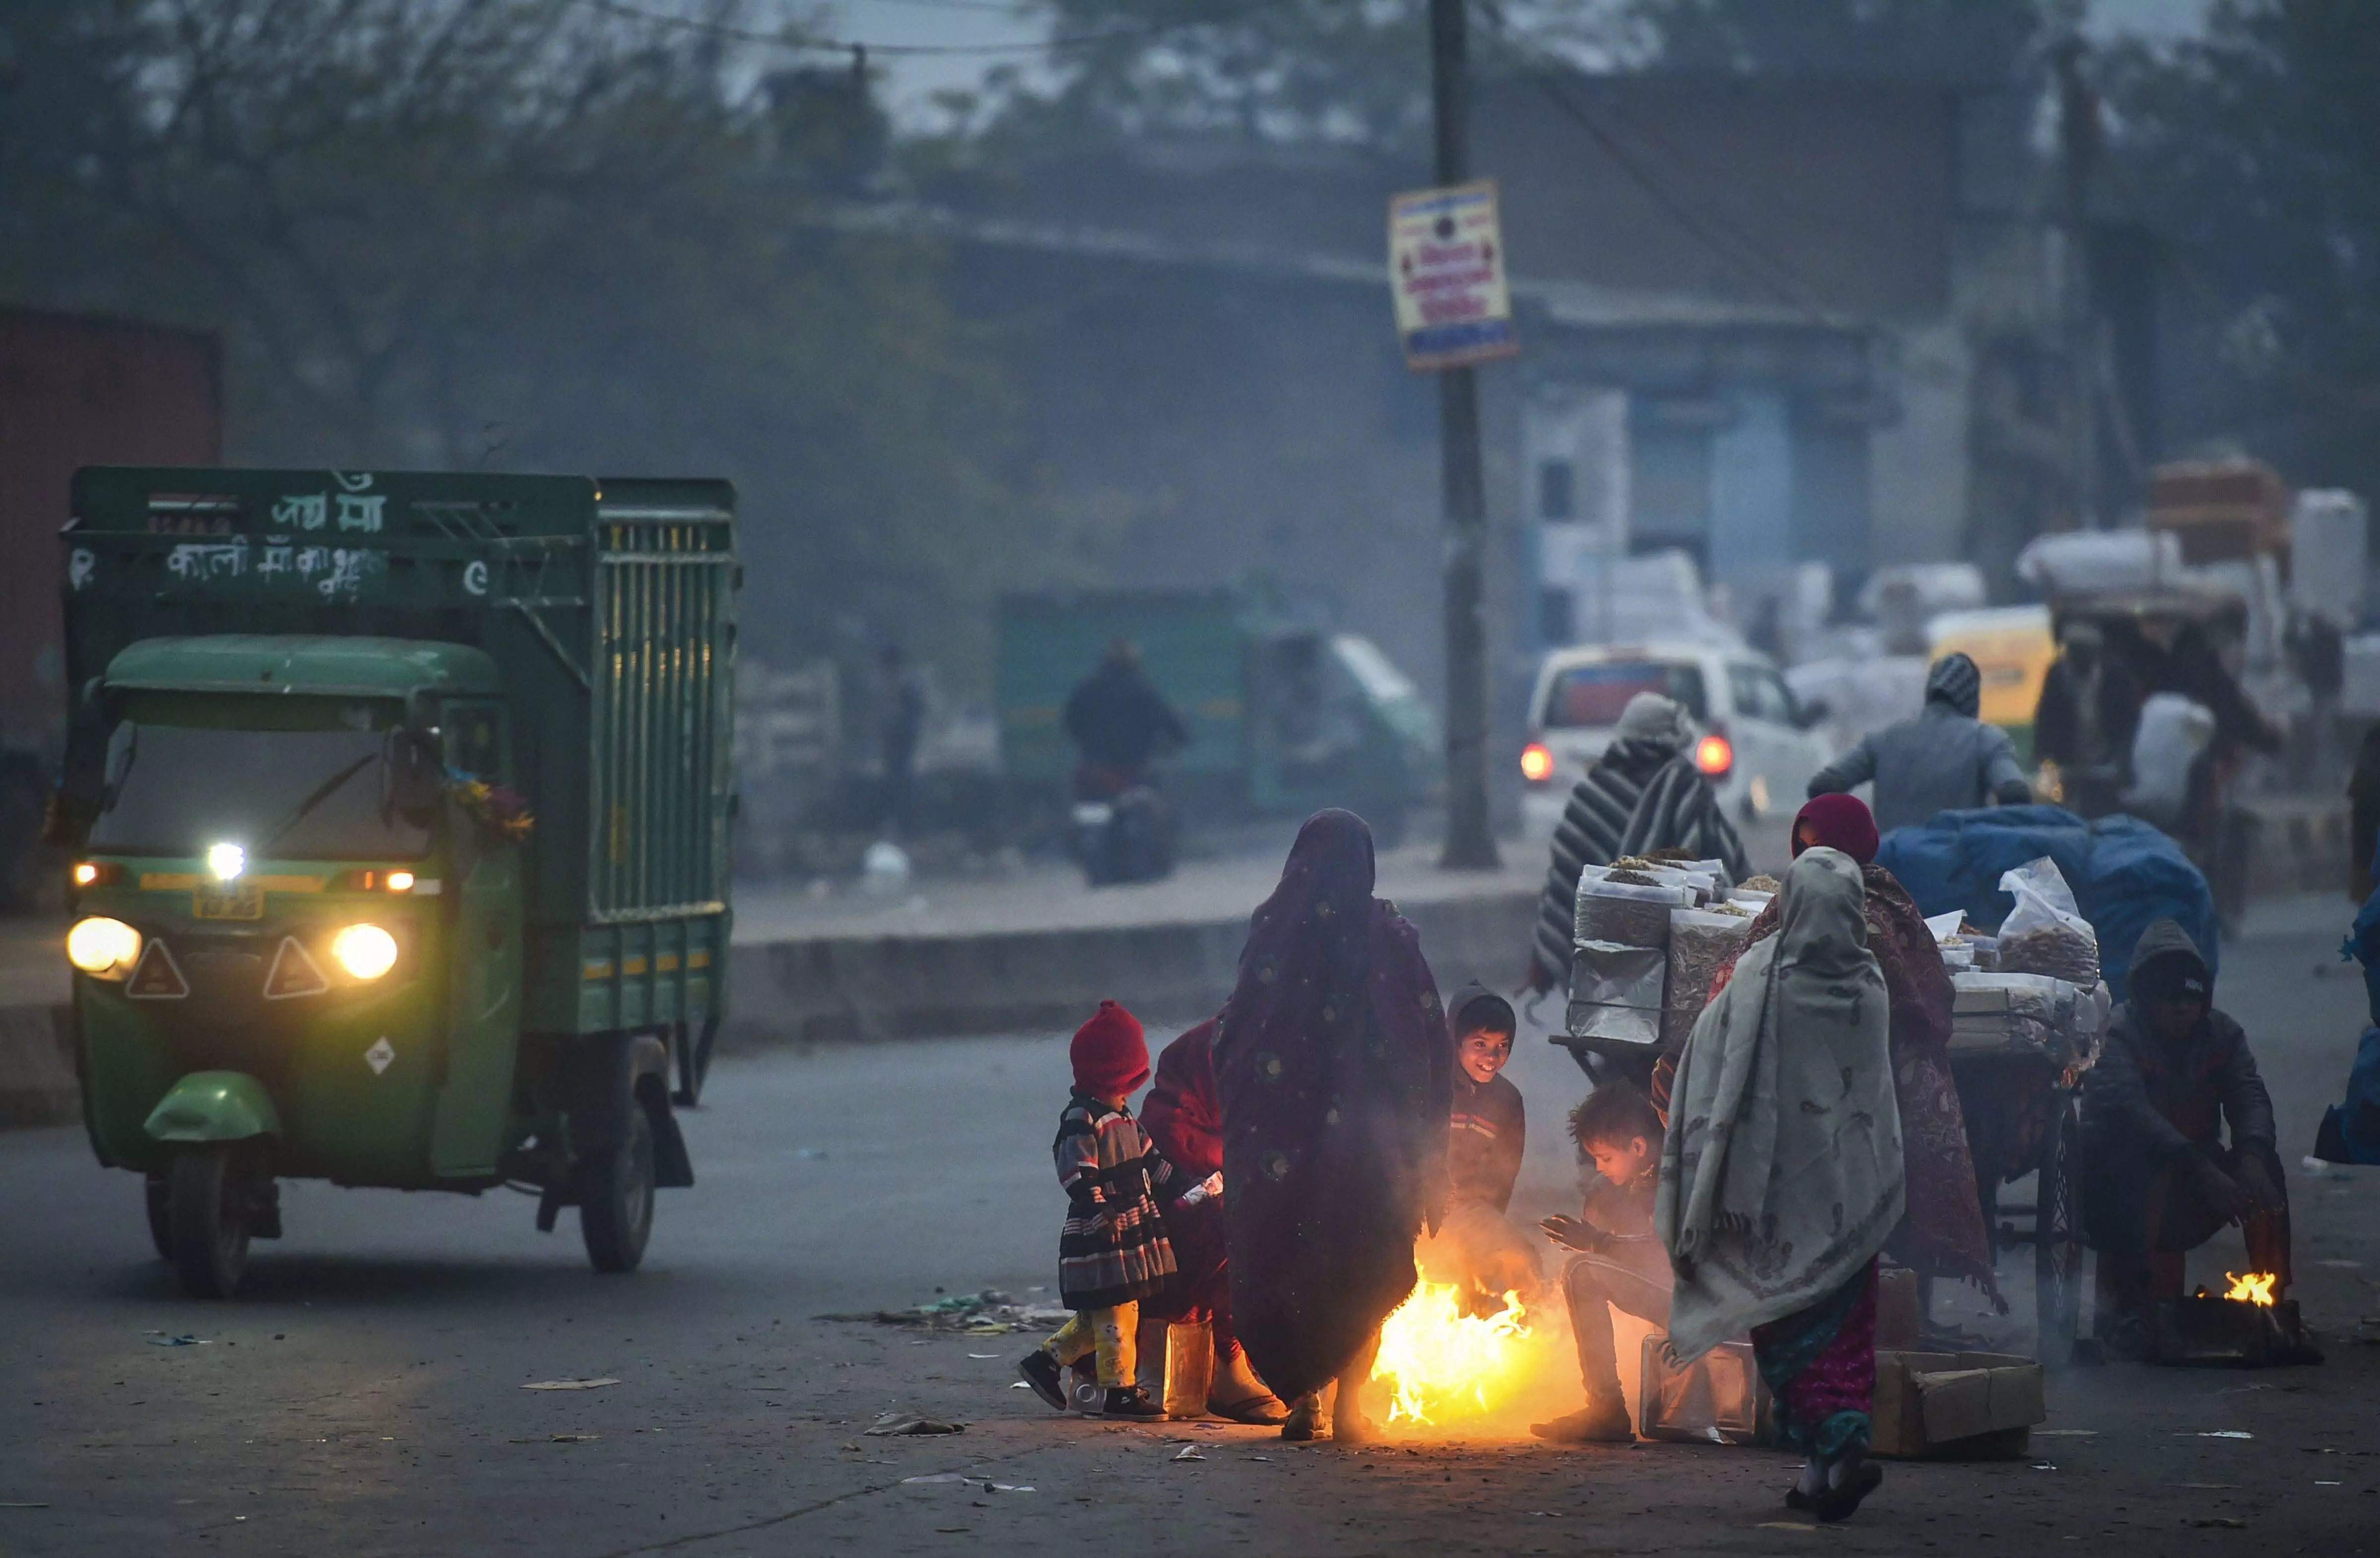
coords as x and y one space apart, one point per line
1945 760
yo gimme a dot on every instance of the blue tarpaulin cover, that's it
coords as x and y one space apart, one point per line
2124 874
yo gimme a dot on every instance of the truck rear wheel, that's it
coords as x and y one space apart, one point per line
207 1219
615 1196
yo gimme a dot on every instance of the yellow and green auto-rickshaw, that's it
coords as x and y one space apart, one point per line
400 804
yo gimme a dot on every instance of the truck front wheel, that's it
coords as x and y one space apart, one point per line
207 1219
615 1196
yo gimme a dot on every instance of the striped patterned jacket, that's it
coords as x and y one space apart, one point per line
1113 1249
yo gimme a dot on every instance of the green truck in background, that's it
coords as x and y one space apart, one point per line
1285 716
401 804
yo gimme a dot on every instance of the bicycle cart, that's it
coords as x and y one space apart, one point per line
2020 1047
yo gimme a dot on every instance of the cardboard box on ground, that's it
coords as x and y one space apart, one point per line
1956 1406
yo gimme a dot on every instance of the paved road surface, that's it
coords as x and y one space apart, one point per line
362 1396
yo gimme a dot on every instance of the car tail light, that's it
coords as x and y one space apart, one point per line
1714 755
1536 762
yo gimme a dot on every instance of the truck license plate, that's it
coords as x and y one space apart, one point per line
229 900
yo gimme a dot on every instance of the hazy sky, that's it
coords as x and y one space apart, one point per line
910 80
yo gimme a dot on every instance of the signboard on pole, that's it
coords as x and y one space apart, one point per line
1446 266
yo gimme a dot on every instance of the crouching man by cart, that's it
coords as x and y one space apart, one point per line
2175 1071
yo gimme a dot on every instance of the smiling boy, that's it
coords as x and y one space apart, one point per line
1477 1247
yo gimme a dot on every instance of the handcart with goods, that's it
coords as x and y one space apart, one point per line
1650 936
2019 1046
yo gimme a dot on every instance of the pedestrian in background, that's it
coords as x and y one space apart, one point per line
1781 1176
1945 760
1643 794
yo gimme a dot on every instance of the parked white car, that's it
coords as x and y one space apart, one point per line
1758 744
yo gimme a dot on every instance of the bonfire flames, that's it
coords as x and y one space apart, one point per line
2257 1287
1440 1367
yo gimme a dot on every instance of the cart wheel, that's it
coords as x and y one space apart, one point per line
207 1219
157 1192
2058 1240
615 1197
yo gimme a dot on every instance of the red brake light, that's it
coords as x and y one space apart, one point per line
1536 762
1714 757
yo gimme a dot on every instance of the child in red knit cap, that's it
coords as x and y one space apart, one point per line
1113 1251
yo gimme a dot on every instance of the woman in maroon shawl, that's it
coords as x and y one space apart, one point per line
1335 1077
1942 1234
1183 1117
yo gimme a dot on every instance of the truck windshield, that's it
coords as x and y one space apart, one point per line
346 794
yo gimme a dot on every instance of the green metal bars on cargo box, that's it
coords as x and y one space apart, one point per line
608 607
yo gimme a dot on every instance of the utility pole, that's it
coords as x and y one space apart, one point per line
2079 147
1470 843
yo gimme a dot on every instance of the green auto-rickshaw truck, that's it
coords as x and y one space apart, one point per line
401 804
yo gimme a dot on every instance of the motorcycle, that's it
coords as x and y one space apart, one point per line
1124 827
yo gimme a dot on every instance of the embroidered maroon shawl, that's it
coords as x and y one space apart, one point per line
1334 1076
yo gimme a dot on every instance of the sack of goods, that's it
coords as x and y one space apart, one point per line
1701 941
2046 933
1619 973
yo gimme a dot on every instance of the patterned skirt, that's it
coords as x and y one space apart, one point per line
1820 1364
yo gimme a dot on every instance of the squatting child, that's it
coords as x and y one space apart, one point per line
1112 1251
1618 1261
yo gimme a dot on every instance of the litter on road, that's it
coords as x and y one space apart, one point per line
570 1385
891 1423
158 1339
981 1483
988 1313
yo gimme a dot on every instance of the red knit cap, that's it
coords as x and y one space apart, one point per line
1110 1053
1839 822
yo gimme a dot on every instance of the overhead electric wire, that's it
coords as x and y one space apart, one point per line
1713 232
799 41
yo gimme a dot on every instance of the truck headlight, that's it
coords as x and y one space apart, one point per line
365 951
103 947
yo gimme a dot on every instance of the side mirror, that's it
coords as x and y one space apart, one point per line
1812 713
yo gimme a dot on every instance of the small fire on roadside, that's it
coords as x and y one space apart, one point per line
2257 1287
1440 1367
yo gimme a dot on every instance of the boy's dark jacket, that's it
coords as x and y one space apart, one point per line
2163 1100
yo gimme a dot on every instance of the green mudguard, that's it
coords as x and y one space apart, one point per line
215 1107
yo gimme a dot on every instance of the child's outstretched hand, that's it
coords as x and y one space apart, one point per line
1210 1186
1572 1234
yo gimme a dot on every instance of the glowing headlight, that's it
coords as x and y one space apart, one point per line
226 861
365 951
104 947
